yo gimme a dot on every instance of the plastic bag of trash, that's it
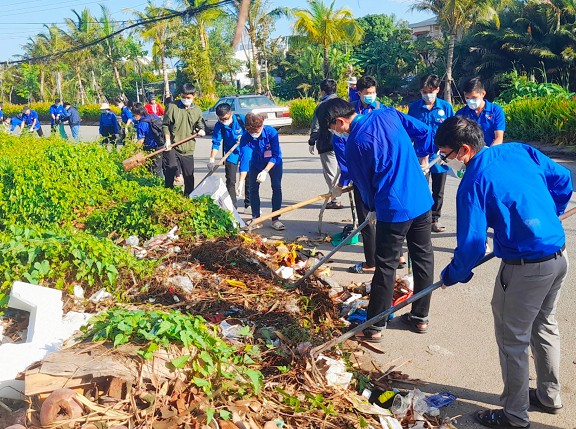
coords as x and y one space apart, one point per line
216 188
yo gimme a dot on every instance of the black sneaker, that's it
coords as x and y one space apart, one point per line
535 402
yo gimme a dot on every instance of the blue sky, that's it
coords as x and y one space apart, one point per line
19 20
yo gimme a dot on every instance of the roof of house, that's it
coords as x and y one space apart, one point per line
429 21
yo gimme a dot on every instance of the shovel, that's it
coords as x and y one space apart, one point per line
220 163
140 159
319 349
293 207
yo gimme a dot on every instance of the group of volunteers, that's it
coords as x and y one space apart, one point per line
29 120
511 188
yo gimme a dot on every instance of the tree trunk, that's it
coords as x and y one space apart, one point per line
165 76
449 61
96 88
326 64
81 91
59 84
256 69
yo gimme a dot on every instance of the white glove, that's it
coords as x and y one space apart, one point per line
210 164
201 133
336 191
261 178
240 189
167 144
371 218
311 149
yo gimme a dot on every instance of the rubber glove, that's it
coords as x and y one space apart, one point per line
371 218
261 178
311 149
201 133
240 189
211 164
167 144
336 191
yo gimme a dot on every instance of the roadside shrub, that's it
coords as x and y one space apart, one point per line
302 111
205 102
546 119
520 87
88 112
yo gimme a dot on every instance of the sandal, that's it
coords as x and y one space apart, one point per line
370 336
359 269
278 226
535 402
251 227
436 227
334 205
415 325
495 419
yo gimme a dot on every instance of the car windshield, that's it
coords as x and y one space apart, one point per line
255 102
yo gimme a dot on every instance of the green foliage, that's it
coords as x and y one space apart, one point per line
519 87
302 111
88 112
205 102
211 364
546 119
59 202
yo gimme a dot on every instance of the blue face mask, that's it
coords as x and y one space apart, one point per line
369 98
474 103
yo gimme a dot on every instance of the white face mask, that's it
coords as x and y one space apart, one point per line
227 121
343 135
186 102
428 97
473 103
256 135
455 164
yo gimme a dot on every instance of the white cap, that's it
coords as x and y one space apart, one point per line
104 106
352 80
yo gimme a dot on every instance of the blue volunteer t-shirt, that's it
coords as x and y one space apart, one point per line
256 153
29 119
126 114
434 117
228 134
144 131
491 119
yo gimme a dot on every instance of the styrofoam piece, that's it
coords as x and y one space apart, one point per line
47 330
43 304
216 188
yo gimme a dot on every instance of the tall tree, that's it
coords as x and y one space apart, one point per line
326 26
159 33
455 17
113 49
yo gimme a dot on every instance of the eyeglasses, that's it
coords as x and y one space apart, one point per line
444 157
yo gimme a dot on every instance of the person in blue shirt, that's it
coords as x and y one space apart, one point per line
519 193
1 113
228 129
367 94
353 90
490 116
260 156
108 126
433 111
31 121
146 136
384 166
57 114
73 119
11 123
127 120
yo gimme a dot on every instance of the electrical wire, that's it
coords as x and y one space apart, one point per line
187 12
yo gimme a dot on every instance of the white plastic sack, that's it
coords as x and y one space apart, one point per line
216 188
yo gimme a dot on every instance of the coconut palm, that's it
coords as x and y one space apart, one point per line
112 45
325 26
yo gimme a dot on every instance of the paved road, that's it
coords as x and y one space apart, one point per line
459 353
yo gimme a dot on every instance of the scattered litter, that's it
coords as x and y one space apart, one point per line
133 241
438 350
303 348
233 329
291 306
181 282
100 296
440 400
78 292
334 371
389 422
285 272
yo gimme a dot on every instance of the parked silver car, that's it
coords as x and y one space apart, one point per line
276 116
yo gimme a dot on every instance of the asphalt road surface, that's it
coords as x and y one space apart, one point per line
459 353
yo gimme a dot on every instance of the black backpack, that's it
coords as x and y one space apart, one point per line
156 128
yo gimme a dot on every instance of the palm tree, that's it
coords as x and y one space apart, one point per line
456 17
111 45
325 26
159 33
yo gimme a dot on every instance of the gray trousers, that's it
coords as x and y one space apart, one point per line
524 307
330 168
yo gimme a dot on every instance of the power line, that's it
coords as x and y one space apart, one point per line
189 12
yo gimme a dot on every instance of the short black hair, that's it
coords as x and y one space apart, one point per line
430 81
188 89
365 82
57 101
119 100
328 86
138 109
458 131
473 85
223 109
66 104
331 109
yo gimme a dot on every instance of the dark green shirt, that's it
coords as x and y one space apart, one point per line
182 123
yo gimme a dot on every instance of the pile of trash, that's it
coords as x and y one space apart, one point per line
241 288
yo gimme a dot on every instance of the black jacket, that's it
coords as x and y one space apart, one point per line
321 138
